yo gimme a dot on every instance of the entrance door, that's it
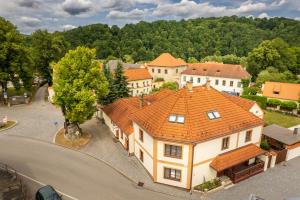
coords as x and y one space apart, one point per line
117 134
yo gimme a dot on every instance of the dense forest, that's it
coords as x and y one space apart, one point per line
268 48
196 38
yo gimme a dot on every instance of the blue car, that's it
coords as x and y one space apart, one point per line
47 193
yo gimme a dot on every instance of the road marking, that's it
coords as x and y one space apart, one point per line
43 184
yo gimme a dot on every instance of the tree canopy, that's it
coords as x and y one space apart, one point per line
78 82
15 60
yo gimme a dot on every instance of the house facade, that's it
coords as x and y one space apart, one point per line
223 77
139 81
190 136
166 67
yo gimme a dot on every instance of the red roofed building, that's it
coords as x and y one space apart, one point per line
167 67
223 77
197 133
139 80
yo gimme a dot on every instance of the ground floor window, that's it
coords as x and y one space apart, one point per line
173 174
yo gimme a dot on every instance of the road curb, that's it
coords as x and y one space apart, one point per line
135 183
15 124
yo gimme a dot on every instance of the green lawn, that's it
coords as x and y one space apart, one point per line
281 119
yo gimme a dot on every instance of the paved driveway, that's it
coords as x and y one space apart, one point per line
275 184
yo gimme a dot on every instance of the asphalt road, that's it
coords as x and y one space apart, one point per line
72 172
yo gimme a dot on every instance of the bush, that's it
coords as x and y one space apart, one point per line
260 100
159 79
265 145
250 90
273 102
209 185
288 105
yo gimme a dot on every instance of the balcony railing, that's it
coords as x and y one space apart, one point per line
247 171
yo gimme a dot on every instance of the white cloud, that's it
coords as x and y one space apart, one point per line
263 15
68 27
30 21
135 14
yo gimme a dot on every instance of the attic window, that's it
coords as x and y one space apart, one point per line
218 70
204 70
213 115
176 119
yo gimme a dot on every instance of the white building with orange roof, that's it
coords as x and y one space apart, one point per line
223 77
195 135
167 67
139 81
190 136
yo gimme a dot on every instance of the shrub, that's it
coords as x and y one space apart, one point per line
250 90
288 105
273 102
265 145
209 185
159 79
260 100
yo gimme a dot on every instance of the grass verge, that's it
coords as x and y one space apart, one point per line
76 144
280 119
8 125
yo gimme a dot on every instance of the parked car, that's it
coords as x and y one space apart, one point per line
47 193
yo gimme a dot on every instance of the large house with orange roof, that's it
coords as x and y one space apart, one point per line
190 136
139 81
223 77
167 67
283 91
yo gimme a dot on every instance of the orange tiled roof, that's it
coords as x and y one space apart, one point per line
288 91
135 74
244 103
217 70
167 60
237 156
194 107
119 110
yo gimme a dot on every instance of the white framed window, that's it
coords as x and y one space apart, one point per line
172 118
176 118
180 119
213 115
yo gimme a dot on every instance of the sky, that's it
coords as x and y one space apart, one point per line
59 15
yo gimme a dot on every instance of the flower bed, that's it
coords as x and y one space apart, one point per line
8 125
208 185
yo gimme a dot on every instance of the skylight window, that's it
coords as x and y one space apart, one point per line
172 118
180 119
213 115
176 119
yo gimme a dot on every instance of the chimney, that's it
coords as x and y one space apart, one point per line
142 101
207 84
295 132
189 86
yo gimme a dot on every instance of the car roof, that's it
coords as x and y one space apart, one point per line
47 191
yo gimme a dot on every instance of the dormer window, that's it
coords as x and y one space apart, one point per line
213 115
176 119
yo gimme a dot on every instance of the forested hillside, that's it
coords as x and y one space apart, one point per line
196 38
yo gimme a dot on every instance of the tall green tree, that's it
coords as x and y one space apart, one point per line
271 53
15 60
112 94
47 48
120 82
78 83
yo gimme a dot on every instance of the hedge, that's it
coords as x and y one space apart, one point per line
273 102
288 105
260 100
